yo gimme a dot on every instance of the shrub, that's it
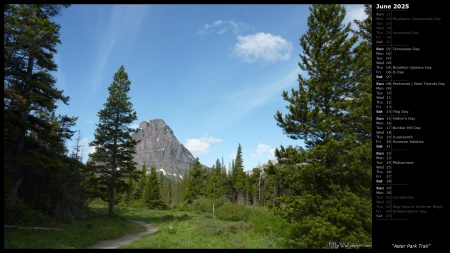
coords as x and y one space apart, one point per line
233 212
211 227
238 226
203 205
266 221
313 232
21 214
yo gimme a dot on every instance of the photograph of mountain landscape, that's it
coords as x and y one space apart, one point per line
192 126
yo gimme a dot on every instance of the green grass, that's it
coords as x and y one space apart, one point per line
248 228
76 234
190 230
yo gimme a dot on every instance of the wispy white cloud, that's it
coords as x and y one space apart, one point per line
263 150
121 29
247 100
221 27
262 46
201 145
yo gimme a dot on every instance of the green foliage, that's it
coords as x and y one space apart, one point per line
176 230
239 226
22 215
200 232
166 188
195 183
318 107
313 232
361 106
233 212
238 177
115 147
253 185
343 215
129 194
327 193
265 219
212 227
215 187
70 198
226 183
205 205
139 189
273 183
89 182
37 170
75 234
151 196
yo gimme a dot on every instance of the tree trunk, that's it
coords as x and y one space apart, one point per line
20 145
111 200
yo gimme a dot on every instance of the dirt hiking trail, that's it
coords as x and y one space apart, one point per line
114 244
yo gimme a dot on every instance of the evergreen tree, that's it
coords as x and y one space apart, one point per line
37 171
248 198
129 193
232 181
225 183
326 183
272 184
30 97
214 188
129 196
141 183
152 192
217 180
318 106
168 192
166 188
360 107
176 182
239 176
184 187
113 158
196 183
209 183
255 184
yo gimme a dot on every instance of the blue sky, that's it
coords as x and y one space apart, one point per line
213 73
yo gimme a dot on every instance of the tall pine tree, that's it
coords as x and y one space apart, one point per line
327 190
226 183
214 188
113 157
141 183
318 106
196 183
37 171
239 176
30 97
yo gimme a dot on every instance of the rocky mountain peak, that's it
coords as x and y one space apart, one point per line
158 146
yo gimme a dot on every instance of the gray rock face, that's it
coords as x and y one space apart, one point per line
158 146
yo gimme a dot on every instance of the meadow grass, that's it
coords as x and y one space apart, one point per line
76 234
200 230
232 226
